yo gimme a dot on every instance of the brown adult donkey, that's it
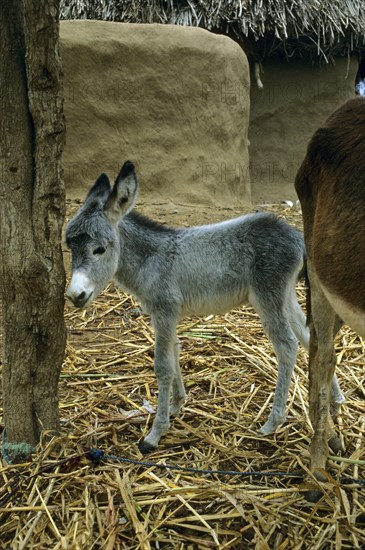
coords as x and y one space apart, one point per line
331 188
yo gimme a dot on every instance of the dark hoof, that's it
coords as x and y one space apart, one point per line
313 495
314 486
335 444
146 447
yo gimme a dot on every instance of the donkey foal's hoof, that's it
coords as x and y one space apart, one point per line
146 447
271 426
265 431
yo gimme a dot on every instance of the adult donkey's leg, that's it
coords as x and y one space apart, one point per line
337 398
301 330
322 363
165 338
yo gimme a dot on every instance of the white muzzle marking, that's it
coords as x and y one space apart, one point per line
80 290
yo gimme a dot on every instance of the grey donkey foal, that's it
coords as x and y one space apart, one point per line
254 259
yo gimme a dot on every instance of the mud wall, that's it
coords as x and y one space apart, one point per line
161 96
296 99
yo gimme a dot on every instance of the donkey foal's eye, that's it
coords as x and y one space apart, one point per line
100 250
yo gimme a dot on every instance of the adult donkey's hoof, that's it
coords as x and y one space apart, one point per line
145 447
335 444
315 491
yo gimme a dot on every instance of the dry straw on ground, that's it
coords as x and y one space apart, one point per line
61 499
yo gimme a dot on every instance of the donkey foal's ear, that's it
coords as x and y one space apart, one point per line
100 189
123 195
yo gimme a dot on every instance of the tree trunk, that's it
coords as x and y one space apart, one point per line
32 202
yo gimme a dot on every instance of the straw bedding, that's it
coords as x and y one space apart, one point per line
61 499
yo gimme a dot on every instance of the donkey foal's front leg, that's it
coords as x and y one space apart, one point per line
165 373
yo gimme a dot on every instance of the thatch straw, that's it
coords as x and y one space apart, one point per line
321 28
62 499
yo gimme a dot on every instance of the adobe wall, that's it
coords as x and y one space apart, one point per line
164 97
296 99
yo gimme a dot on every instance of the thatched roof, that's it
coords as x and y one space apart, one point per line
318 28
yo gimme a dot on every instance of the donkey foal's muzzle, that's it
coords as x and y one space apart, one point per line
80 290
80 300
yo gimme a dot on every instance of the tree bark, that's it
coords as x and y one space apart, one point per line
32 203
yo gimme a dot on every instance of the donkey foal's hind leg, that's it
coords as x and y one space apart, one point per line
178 390
337 398
285 346
279 331
298 320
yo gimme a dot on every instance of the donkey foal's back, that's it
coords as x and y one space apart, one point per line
254 259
